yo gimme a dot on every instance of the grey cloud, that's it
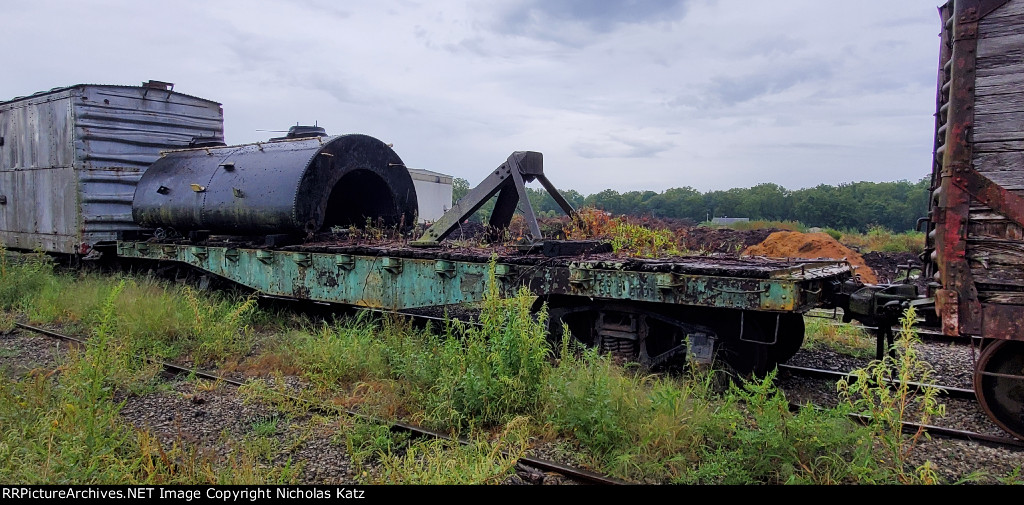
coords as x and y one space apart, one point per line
547 19
333 86
328 7
250 48
618 147
730 91
808 146
781 45
474 45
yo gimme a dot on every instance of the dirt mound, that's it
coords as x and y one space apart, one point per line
793 244
886 264
721 240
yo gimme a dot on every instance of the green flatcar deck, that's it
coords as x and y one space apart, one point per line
400 277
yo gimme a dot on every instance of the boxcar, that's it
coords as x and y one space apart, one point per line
70 158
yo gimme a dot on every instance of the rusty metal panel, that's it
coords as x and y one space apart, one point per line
1001 321
122 127
37 132
71 157
951 203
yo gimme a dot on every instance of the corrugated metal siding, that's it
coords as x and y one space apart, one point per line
118 133
128 127
73 156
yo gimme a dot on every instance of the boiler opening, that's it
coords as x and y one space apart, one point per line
359 196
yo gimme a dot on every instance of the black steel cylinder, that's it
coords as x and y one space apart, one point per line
282 186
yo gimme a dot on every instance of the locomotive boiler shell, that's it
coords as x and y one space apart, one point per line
282 186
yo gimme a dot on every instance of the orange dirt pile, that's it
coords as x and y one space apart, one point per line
793 244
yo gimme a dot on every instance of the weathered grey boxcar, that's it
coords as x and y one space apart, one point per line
70 159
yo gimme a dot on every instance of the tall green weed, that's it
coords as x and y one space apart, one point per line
490 373
868 393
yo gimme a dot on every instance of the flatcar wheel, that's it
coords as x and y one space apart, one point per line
629 332
790 337
579 320
744 358
999 384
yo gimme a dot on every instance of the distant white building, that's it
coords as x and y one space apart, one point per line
729 220
433 191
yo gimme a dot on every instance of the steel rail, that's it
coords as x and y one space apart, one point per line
953 433
952 392
911 427
542 464
577 473
925 333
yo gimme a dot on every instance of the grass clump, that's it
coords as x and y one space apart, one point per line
633 425
219 329
844 339
882 239
637 240
488 374
761 224
22 274
482 461
7 322
626 237
151 318
365 440
657 429
867 393
753 437
335 354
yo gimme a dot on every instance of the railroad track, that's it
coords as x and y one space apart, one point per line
951 392
927 334
577 474
910 427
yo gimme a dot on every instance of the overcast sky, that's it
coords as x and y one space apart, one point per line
628 95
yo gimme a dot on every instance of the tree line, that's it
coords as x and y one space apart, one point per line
856 206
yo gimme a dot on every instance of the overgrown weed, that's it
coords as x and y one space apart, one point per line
867 392
845 339
881 239
490 373
625 237
482 461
